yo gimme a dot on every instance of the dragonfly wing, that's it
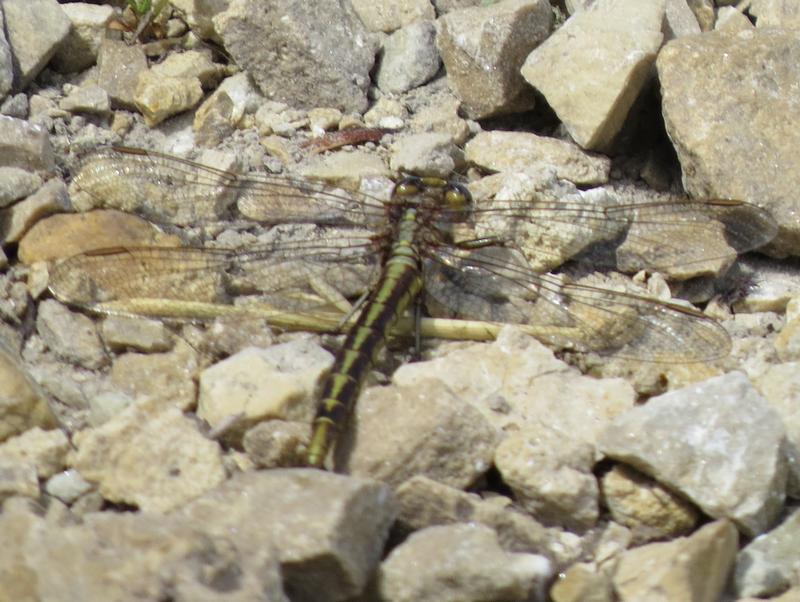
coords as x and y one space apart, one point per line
673 235
169 189
598 314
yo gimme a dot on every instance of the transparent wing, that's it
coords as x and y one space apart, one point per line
178 191
596 314
673 235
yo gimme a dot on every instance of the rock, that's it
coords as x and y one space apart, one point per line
118 69
680 20
780 386
582 582
66 234
420 429
426 155
389 16
191 64
441 116
25 146
7 76
79 50
22 404
649 510
323 119
200 15
768 565
409 58
334 53
704 441
483 49
731 20
214 120
277 443
71 336
608 52
68 486
424 503
347 168
133 332
775 13
89 99
551 477
165 378
688 568
474 568
16 183
386 113
35 30
262 384
150 456
159 97
16 220
759 160
324 525
520 151
44 450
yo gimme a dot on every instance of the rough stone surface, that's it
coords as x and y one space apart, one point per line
277 443
88 25
261 384
25 145
90 99
649 510
714 92
775 13
484 47
22 404
474 568
70 335
520 151
16 183
130 332
608 51
159 97
6 68
768 565
35 29
690 568
409 58
16 220
428 154
330 526
276 41
389 16
44 450
704 441
118 69
67 486
148 456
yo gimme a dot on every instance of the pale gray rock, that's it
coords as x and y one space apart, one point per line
46 451
390 15
483 48
424 502
521 151
718 443
748 154
473 568
89 99
200 15
25 146
420 429
608 52
167 378
16 183
409 58
776 13
762 284
17 219
731 20
441 115
35 30
689 568
327 529
277 443
128 556
582 582
131 332
17 479
71 336
67 486
386 112
308 54
6 65
150 456
191 64
445 6
680 20
88 28
551 477
428 154
118 69
159 97
262 384
22 404
768 564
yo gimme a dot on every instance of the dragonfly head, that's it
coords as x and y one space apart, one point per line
453 201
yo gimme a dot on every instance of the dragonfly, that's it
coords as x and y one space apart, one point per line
497 262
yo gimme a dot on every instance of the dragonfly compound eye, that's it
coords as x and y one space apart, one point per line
408 186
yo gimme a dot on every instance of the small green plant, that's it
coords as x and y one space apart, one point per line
140 7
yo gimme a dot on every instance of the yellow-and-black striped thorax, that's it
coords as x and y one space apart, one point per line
416 204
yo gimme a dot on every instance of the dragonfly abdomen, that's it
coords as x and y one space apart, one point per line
400 284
